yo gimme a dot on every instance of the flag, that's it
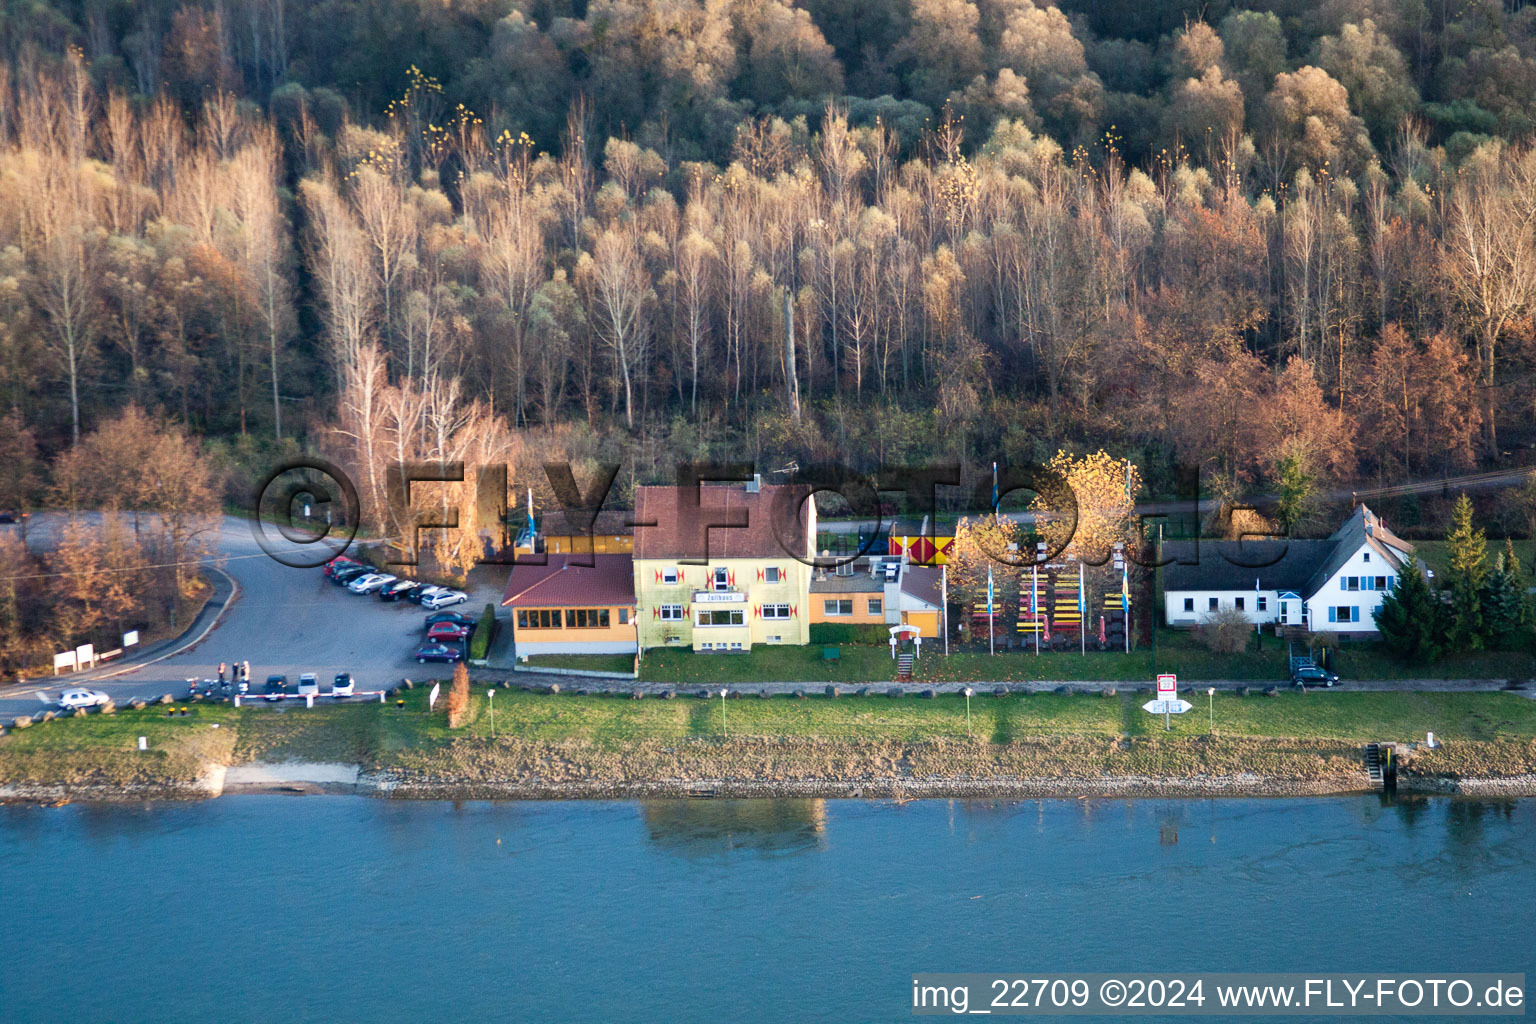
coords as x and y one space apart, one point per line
989 595
994 488
1082 604
532 527
1125 588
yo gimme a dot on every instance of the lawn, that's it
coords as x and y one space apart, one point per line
585 662
105 747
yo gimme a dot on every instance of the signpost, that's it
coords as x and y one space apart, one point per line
1167 703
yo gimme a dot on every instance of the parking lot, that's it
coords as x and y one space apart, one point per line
286 621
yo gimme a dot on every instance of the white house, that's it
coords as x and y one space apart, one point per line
1332 585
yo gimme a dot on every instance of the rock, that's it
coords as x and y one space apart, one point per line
554 687
1000 691
1143 691
702 695
109 708
166 698
583 692
833 691
930 693
22 722
863 691
505 684
667 694
764 693
895 691
636 694
1271 691
136 704
1108 691
406 684
799 695
49 716
1241 691
734 695
1062 691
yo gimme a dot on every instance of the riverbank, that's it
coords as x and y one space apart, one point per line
548 746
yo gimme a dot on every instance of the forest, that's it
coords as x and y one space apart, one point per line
1290 243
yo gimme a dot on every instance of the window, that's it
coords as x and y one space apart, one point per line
775 611
1238 603
719 617
1349 582
838 606
736 645
1189 604
1344 613
623 616
1263 604
722 579
671 613
586 618
1381 583
1367 557
669 576
538 618
875 606
1214 604
775 638
771 574
706 647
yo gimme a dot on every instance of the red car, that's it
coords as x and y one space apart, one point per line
441 632
339 562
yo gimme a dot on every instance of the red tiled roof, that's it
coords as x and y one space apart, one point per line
610 580
681 527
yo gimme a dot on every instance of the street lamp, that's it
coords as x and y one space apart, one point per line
490 695
723 731
1210 695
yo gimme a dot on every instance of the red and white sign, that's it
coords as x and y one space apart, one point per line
1167 687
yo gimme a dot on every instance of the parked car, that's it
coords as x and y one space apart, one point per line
396 590
342 686
347 573
368 584
339 562
1311 675
419 591
438 652
442 631
443 598
276 687
82 698
309 683
459 617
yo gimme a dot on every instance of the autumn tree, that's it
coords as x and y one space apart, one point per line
458 696
983 544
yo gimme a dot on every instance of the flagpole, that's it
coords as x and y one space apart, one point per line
991 633
1082 610
1034 595
944 604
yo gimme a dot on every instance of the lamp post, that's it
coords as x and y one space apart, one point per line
967 692
490 695
723 731
1210 696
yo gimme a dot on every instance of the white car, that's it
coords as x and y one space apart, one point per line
342 687
368 584
83 699
309 683
442 599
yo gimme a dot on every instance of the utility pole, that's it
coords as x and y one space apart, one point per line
791 379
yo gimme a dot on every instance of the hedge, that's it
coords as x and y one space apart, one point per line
485 631
849 633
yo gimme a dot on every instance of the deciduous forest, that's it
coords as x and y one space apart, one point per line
1277 238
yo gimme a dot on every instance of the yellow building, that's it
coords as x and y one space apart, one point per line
565 607
880 591
755 587
559 533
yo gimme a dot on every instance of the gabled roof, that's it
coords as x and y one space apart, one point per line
923 582
1363 528
858 583
567 582
1303 566
1235 565
688 523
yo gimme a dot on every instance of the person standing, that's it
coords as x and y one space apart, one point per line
246 669
221 673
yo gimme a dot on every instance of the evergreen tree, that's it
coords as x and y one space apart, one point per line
1504 605
1467 548
1410 618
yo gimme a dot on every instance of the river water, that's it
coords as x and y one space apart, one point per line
274 908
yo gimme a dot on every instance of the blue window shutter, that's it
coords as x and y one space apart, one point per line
1343 583
1333 614
1354 614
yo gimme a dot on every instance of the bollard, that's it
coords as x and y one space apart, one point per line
400 704
309 700
237 700
381 696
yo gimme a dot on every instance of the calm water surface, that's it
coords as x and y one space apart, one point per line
355 909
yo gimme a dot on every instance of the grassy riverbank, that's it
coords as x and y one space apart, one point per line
1177 651
554 740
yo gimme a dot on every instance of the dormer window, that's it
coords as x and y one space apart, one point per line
722 578
771 574
669 576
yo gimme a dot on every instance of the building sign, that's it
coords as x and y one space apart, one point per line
718 597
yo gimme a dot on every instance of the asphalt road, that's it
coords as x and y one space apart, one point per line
283 620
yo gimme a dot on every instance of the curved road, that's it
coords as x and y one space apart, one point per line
281 620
